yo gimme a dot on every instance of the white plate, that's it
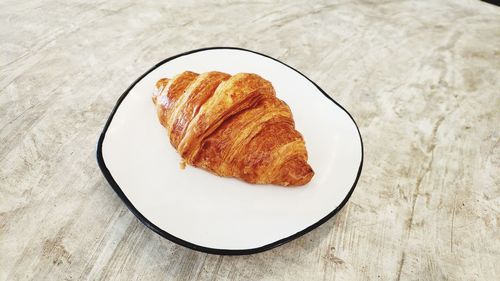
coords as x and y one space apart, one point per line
219 215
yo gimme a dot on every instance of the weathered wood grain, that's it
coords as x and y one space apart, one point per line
422 79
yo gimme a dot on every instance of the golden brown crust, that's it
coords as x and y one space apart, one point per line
170 93
233 126
200 90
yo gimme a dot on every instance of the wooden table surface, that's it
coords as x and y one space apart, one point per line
421 78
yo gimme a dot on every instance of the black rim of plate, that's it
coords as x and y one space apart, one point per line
161 232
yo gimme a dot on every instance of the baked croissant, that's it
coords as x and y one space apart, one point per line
232 126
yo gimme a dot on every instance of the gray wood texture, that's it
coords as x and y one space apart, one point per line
422 79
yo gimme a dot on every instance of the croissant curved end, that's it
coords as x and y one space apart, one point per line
295 172
160 86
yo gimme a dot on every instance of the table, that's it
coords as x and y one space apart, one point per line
421 78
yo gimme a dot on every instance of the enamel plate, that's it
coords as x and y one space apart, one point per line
208 213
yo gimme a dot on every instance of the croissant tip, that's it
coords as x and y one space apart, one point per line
305 179
160 84
295 173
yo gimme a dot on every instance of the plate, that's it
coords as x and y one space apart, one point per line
217 215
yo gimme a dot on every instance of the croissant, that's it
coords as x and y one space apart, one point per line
232 126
